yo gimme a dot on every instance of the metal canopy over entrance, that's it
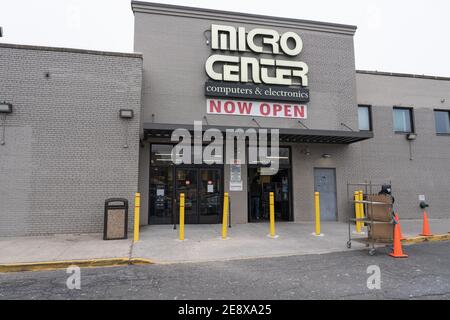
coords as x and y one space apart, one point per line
291 135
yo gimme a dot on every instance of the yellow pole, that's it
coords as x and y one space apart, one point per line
272 215
137 208
181 216
225 216
361 208
317 205
357 212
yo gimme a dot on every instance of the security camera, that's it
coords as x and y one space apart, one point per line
424 205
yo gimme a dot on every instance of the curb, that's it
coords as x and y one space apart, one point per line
421 239
116 262
55 265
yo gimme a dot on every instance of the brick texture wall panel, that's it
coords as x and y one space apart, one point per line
64 152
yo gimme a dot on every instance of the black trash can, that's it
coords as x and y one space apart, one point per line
116 219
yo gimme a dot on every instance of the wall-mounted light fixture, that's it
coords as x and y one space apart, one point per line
126 113
411 137
205 34
326 156
306 152
1 32
6 107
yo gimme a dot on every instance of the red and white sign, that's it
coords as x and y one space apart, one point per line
256 108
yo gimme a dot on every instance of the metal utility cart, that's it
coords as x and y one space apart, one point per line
369 219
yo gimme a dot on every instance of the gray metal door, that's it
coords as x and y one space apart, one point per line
325 183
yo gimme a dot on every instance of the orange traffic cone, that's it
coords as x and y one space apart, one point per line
399 227
426 227
398 251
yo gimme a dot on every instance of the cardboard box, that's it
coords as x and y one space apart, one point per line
379 212
383 232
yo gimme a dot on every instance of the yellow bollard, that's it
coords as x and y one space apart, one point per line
225 216
317 206
137 208
181 216
272 215
361 208
357 212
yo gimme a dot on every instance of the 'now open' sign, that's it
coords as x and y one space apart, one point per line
256 109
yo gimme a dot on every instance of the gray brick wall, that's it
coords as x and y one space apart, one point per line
387 156
64 152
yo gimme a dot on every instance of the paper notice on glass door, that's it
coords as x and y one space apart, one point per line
236 176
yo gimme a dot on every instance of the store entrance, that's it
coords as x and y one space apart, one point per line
202 188
260 187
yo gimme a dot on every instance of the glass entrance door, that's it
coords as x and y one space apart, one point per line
187 183
259 195
210 193
161 195
202 188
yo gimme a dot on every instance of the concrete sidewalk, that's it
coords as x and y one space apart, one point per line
60 248
160 245
204 243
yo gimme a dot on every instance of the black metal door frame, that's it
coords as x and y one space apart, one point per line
175 203
290 189
198 169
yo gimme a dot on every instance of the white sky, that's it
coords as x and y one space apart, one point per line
411 36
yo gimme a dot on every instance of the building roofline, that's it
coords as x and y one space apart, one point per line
403 75
237 17
72 50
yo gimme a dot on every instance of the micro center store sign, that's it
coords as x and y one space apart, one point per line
256 109
240 84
